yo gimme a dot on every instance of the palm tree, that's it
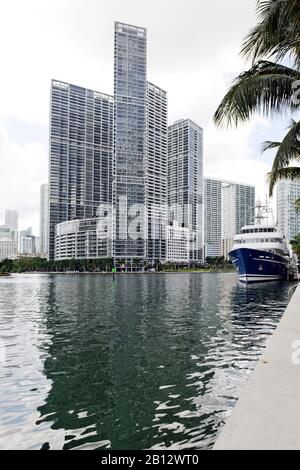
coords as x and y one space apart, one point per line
296 245
270 87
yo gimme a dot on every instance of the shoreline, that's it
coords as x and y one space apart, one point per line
121 273
267 414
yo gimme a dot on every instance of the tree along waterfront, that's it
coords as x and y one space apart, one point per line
27 264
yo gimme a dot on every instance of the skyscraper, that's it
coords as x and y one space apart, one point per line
185 181
228 207
156 172
43 248
288 191
130 94
212 217
12 222
81 147
12 219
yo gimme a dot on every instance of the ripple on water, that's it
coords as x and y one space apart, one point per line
147 362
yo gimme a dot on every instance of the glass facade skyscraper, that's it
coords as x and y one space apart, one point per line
130 94
156 176
44 219
185 181
213 217
80 160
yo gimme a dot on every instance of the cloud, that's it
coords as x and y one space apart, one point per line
235 162
22 168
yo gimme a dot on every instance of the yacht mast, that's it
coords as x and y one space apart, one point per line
259 217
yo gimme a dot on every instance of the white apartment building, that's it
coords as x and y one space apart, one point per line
8 249
28 246
228 207
83 239
185 182
178 244
288 191
212 217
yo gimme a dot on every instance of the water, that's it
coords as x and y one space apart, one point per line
152 361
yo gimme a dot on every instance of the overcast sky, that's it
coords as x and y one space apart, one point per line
193 53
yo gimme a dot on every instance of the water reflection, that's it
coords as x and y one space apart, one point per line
152 361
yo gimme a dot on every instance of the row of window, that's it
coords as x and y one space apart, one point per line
259 240
259 230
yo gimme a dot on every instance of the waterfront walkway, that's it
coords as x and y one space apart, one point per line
267 415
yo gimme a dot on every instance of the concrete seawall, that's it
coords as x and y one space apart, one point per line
267 415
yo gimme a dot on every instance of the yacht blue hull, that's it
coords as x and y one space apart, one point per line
258 265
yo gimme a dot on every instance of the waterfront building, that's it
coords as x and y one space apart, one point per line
28 245
81 146
156 172
288 191
140 154
8 240
212 217
178 243
228 207
43 248
8 248
185 182
23 234
5 232
130 102
81 239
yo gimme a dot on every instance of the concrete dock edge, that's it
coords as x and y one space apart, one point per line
267 414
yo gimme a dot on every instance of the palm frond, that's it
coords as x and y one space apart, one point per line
288 149
277 33
268 145
266 87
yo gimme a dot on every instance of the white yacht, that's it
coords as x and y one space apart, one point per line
261 252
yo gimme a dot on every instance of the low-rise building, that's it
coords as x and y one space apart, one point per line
178 243
83 239
8 249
